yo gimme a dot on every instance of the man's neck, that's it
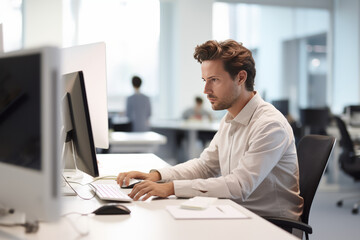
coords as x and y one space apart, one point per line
245 97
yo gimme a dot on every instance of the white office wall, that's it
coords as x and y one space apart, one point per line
278 24
42 23
11 30
194 26
346 54
191 24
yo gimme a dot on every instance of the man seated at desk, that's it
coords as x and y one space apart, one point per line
197 112
252 158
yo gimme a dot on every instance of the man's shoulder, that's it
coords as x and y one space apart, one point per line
138 96
268 114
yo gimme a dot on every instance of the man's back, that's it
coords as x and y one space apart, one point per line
138 110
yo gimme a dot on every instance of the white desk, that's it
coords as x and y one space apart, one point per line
127 142
148 220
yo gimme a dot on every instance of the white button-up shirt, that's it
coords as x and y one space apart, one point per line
251 159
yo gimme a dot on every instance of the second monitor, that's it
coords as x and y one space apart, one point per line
79 150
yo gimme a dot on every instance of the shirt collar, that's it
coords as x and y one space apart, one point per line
245 115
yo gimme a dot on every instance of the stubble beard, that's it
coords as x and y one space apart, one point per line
224 104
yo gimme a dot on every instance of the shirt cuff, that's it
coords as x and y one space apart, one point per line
165 174
184 188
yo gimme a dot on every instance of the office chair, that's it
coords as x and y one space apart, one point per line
353 112
349 161
313 153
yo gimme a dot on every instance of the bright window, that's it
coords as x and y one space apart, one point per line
11 18
130 29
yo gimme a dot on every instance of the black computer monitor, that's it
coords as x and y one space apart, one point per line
282 106
79 145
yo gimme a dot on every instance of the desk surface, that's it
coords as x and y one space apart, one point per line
186 125
149 219
136 138
126 142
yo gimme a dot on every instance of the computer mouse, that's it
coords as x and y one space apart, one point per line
112 209
132 183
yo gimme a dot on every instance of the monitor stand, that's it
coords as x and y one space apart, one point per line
19 218
10 218
71 172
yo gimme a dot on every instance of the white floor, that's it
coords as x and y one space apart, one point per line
330 222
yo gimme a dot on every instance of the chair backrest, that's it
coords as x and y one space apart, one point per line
349 161
313 154
317 117
346 141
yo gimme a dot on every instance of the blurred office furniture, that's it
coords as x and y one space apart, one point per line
348 159
314 120
313 154
352 113
283 106
135 142
117 122
191 131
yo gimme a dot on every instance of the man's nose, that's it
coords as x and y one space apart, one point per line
207 88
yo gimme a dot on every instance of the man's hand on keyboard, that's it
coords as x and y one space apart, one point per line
124 178
149 188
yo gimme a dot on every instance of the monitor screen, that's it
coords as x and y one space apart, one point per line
77 125
20 99
91 60
30 132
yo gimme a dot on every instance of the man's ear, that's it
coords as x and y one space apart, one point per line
241 77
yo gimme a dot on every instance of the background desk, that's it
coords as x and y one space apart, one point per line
191 131
148 220
139 142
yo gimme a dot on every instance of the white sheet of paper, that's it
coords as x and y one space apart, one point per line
212 212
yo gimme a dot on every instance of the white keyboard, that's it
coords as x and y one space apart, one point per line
111 192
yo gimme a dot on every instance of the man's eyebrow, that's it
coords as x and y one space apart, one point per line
211 77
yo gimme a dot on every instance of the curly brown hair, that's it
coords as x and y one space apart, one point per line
234 55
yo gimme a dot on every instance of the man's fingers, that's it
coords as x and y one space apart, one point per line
142 192
139 190
149 194
126 176
120 178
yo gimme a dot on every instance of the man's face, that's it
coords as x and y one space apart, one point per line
222 91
